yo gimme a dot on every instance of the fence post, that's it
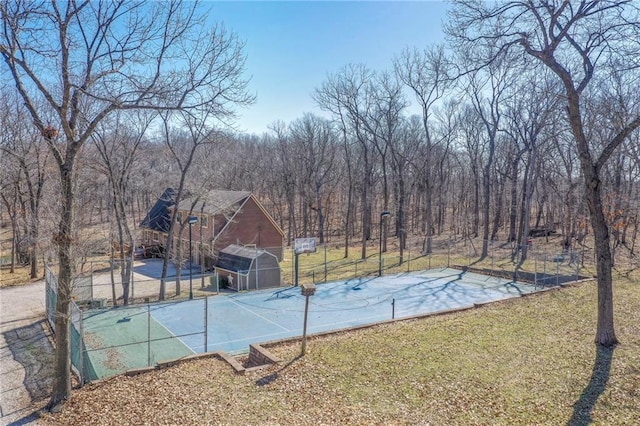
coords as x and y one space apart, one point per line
206 322
82 349
293 267
131 283
492 257
148 336
325 262
535 272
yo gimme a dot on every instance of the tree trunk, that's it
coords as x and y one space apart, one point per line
513 210
320 213
605 333
62 384
486 186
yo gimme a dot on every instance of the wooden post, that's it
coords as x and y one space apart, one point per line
307 290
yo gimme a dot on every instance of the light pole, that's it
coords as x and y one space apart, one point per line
382 216
192 221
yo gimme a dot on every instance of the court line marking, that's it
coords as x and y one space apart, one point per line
467 284
258 315
328 327
170 332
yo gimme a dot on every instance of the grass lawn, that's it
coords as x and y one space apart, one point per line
520 362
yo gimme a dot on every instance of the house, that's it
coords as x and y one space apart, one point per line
221 218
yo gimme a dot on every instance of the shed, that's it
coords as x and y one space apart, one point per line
248 268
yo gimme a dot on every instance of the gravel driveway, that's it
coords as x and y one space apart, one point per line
26 369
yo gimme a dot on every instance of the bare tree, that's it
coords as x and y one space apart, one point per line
528 117
192 134
118 146
348 96
426 73
488 89
580 42
314 140
25 147
84 60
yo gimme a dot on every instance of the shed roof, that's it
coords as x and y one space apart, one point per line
237 258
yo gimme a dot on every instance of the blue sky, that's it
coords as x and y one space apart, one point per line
291 47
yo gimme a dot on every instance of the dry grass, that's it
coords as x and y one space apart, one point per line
20 276
520 362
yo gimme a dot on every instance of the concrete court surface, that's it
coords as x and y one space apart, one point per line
26 366
237 320
234 321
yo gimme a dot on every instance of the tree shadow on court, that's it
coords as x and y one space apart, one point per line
596 386
30 347
270 378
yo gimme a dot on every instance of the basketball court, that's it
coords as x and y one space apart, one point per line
123 338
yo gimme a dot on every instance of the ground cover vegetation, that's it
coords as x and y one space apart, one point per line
519 362
528 124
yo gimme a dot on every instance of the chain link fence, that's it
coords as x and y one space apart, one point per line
536 263
103 284
540 262
78 352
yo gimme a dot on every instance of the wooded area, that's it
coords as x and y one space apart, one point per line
528 124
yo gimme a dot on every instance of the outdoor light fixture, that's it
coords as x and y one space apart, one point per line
384 214
192 221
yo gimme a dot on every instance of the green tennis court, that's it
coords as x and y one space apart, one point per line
132 338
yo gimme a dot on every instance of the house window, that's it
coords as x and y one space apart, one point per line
155 237
204 220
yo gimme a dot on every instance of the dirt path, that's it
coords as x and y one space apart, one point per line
26 354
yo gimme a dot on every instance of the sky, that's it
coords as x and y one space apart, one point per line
292 47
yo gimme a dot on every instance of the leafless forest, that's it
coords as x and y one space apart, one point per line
527 121
492 155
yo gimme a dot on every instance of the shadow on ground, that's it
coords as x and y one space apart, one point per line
596 386
30 346
270 378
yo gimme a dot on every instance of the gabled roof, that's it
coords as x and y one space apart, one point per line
237 258
214 202
158 218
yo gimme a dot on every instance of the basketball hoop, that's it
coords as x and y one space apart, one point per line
305 245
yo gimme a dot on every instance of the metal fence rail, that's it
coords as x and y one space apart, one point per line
77 353
541 266
544 266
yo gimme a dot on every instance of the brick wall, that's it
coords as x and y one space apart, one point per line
251 226
260 356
